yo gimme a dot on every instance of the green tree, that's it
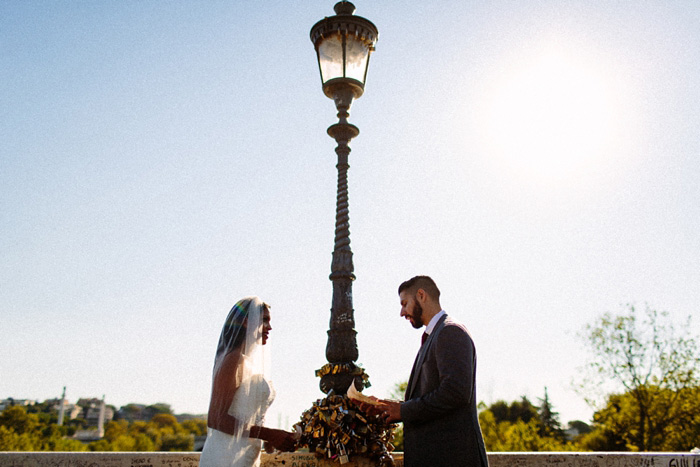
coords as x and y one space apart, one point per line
23 431
581 427
518 426
124 443
500 410
549 425
160 407
138 427
61 443
177 442
143 443
516 435
492 431
130 412
398 393
100 445
521 436
196 426
164 420
616 425
12 441
17 419
521 410
115 429
643 354
684 432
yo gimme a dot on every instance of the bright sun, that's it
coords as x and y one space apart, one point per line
550 119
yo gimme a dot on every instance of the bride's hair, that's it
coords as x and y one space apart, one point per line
232 335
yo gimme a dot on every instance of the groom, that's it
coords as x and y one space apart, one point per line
441 426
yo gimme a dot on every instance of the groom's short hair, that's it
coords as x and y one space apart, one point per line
421 282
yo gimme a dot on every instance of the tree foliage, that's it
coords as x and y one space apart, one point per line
521 410
521 426
23 431
616 426
580 426
549 424
196 426
654 365
398 393
515 426
160 408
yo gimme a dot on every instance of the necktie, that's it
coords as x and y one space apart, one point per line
423 338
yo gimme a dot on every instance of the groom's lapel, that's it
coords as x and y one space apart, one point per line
415 374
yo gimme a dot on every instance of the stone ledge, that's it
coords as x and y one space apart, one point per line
593 459
191 459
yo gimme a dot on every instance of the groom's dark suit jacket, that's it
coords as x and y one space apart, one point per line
441 426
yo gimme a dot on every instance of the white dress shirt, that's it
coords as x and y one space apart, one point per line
433 322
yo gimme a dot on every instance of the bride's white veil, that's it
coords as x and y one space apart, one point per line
242 334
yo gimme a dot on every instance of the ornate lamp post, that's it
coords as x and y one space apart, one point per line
335 427
343 44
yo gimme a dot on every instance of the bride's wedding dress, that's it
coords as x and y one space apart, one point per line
249 407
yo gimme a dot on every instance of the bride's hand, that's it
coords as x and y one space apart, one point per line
281 440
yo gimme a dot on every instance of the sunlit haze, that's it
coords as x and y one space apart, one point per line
161 160
552 117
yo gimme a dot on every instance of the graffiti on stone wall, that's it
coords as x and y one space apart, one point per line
684 462
295 460
162 461
309 460
48 459
592 460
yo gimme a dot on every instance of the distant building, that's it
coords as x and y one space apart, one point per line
96 413
9 402
141 412
189 416
576 428
133 412
71 411
571 433
93 415
89 402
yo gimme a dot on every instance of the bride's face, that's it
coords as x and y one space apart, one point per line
266 327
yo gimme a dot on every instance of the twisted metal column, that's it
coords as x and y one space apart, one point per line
341 350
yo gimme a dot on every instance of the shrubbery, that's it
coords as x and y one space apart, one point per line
22 431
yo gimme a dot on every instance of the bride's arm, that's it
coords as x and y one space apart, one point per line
224 386
226 382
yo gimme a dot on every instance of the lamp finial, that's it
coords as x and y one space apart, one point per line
344 8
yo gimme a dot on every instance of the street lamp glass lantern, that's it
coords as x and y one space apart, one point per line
343 44
343 57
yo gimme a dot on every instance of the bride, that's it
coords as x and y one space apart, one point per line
241 393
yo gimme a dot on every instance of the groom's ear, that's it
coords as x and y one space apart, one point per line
421 296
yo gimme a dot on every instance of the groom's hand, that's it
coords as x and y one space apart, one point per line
370 408
391 409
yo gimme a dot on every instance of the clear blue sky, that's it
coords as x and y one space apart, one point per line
160 160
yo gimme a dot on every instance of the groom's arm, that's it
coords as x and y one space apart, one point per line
455 361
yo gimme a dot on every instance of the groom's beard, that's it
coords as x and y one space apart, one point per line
417 318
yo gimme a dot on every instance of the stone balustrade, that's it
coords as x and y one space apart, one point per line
300 459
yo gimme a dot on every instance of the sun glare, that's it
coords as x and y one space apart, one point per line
550 119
